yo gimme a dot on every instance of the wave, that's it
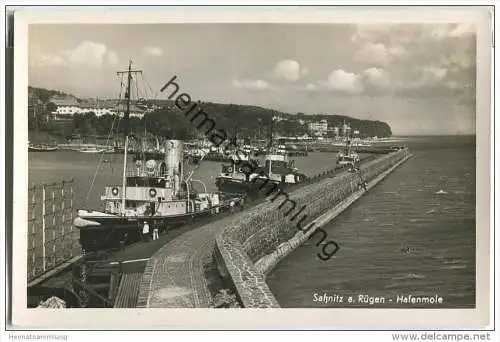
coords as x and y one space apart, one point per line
453 267
430 211
410 276
455 261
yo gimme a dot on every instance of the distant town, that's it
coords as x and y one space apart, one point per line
56 115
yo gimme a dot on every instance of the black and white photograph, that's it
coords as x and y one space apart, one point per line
255 164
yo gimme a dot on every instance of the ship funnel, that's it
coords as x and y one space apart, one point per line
174 158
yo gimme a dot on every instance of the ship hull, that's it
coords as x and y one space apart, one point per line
235 187
41 149
106 232
253 189
91 151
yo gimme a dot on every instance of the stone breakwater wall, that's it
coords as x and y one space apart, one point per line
250 247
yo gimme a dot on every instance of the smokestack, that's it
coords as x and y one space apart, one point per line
174 155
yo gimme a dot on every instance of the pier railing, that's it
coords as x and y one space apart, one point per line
52 240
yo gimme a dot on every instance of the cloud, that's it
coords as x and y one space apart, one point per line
397 52
435 74
45 59
369 32
311 87
428 77
339 81
452 85
458 60
369 81
379 54
415 60
410 34
463 30
430 81
87 54
375 54
377 78
152 51
453 31
289 70
252 84
112 58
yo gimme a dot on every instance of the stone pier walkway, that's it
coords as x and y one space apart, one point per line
179 275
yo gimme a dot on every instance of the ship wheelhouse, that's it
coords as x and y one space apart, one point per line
239 167
348 157
157 188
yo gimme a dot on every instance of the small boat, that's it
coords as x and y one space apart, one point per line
41 148
361 143
441 192
95 149
91 150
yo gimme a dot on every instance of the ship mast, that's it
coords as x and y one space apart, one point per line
126 116
271 129
346 129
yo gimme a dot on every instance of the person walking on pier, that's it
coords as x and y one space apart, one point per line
123 241
145 232
155 232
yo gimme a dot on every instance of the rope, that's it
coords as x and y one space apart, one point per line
136 88
197 166
107 143
117 125
153 93
99 163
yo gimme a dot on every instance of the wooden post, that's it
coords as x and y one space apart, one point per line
54 225
33 225
71 225
113 283
63 220
44 261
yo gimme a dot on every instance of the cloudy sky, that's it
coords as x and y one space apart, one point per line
418 78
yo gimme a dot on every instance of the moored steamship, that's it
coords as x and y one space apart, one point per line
246 176
347 156
154 190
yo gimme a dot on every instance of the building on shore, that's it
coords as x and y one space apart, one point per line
67 107
318 128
